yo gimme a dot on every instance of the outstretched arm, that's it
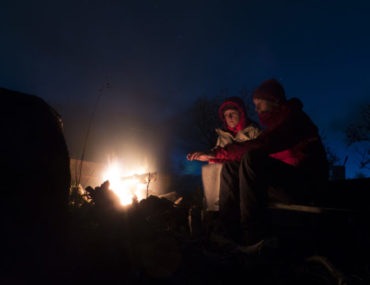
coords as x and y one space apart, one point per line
201 156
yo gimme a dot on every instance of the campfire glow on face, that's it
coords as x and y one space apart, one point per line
122 185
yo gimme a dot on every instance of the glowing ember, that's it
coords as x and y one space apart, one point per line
126 189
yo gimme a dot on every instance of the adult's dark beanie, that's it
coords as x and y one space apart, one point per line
270 90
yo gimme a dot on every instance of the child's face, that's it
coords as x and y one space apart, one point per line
232 118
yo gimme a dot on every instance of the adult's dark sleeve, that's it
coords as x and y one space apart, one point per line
296 128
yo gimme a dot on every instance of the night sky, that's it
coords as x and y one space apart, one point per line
160 56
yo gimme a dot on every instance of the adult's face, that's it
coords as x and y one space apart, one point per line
262 105
232 118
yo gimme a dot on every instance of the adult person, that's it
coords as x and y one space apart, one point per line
288 155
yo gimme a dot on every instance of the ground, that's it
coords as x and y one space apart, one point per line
155 241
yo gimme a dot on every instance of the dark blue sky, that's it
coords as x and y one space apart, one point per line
159 56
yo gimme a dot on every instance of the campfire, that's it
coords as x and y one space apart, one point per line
128 185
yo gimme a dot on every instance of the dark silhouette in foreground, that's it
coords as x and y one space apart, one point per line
35 188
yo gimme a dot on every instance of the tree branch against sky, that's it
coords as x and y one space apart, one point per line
358 136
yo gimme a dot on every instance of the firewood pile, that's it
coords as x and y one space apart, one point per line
164 239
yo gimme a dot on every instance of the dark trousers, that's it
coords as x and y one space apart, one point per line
244 189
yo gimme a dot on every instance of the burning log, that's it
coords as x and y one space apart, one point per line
142 178
103 197
130 187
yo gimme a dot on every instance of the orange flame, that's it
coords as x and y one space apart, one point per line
125 189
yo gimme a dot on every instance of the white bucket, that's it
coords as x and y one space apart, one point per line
211 185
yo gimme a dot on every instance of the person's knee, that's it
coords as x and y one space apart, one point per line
229 167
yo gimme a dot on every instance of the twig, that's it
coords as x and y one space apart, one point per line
78 178
147 185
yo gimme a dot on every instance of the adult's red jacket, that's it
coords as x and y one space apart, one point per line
290 136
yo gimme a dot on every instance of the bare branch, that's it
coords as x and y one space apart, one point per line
358 134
